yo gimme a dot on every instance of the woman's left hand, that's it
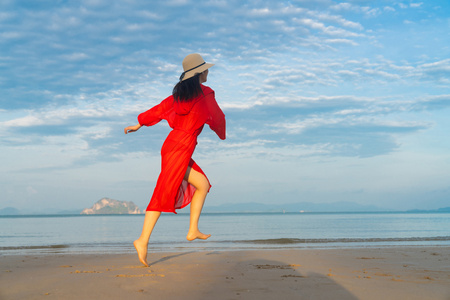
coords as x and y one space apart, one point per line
132 128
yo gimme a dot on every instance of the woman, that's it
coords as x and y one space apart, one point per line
182 181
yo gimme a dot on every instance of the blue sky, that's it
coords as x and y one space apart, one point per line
325 100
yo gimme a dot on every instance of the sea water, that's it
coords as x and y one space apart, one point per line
50 234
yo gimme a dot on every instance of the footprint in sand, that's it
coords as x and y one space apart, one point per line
79 272
140 275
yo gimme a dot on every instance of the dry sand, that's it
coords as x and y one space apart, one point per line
368 273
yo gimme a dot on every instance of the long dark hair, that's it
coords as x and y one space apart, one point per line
187 89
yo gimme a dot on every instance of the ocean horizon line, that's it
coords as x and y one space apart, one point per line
232 213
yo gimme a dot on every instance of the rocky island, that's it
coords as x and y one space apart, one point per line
110 206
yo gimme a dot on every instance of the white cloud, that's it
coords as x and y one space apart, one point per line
371 12
75 56
10 35
260 11
438 71
329 30
26 121
366 10
337 19
5 16
416 5
341 41
343 6
177 2
150 15
302 125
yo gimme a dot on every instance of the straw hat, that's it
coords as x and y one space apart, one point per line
193 64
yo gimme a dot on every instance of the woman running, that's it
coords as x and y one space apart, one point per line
181 181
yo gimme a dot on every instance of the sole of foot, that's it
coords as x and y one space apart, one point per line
142 252
200 236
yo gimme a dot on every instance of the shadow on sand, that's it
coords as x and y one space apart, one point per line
229 276
165 258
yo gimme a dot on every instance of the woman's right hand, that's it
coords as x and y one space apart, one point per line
132 128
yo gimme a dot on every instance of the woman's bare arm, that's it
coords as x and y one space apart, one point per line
132 128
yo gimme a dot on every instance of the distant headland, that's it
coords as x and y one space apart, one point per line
110 206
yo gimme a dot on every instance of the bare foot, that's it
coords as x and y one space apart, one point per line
141 251
197 235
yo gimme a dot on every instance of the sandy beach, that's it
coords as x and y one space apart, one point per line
368 273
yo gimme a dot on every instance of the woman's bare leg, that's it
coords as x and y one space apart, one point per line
201 184
141 244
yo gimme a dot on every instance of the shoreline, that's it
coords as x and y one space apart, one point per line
398 272
128 248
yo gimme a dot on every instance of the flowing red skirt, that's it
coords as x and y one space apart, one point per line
172 191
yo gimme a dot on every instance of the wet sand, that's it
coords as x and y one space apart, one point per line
367 273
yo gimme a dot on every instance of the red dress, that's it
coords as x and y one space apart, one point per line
187 120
